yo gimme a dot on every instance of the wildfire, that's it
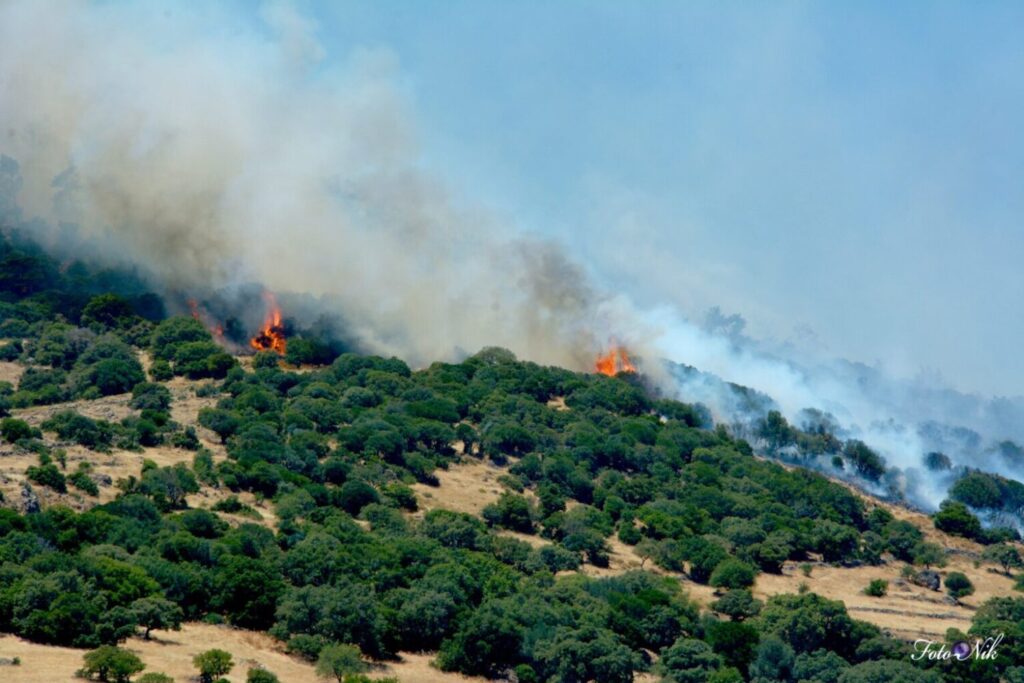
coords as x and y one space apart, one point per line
271 335
200 314
614 362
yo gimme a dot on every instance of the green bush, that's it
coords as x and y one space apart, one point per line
151 396
160 371
958 585
81 480
732 574
260 676
954 518
48 475
877 588
69 425
109 663
213 664
172 333
14 430
154 677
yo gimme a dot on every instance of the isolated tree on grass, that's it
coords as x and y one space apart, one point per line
929 555
157 613
958 585
213 664
339 661
110 663
1004 555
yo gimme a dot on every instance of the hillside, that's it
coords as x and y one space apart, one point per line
492 519
467 484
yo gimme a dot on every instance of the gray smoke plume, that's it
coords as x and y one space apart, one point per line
219 155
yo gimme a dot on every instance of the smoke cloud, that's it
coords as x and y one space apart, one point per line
220 154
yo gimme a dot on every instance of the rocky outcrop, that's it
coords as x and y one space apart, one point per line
29 499
928 579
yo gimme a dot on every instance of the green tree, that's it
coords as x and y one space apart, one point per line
355 495
901 537
171 333
954 518
688 661
737 604
821 666
929 555
587 654
108 312
958 585
704 557
868 464
107 377
247 589
774 661
887 671
213 664
511 511
734 641
1004 555
157 613
260 676
110 663
978 490
14 430
732 573
339 661
222 422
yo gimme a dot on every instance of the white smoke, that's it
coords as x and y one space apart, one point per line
219 154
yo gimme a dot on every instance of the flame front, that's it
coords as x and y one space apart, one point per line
271 335
614 362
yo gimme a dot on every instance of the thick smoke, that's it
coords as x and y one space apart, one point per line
221 154
225 155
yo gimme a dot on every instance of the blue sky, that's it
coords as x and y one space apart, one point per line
847 174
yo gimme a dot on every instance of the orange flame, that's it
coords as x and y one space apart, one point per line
271 335
614 362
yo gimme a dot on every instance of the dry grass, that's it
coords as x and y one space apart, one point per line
171 652
469 486
908 611
11 372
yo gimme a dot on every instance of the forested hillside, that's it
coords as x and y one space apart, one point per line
315 532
